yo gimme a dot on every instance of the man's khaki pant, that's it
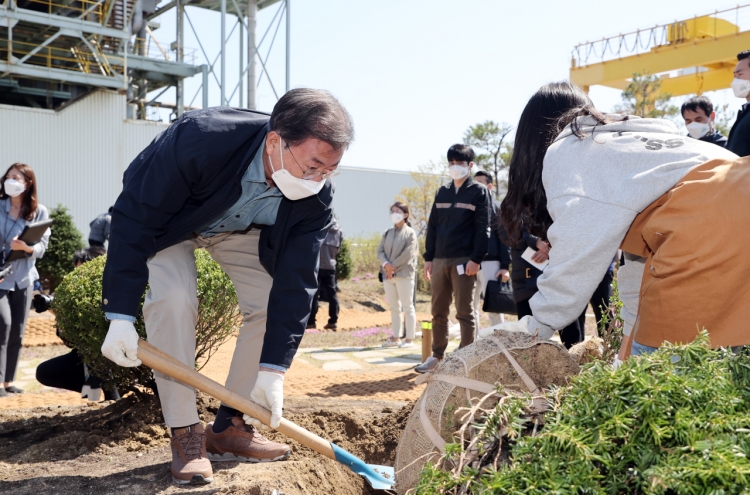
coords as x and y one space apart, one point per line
447 284
171 311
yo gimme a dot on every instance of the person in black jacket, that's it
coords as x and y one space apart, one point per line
497 262
739 136
699 116
458 233
253 191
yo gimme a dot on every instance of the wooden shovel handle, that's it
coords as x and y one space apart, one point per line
163 362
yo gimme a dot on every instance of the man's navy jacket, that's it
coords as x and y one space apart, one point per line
190 175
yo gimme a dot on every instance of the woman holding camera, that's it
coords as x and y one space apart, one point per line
18 207
398 260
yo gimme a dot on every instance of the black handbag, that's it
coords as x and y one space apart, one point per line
498 298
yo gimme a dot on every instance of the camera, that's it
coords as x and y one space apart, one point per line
41 302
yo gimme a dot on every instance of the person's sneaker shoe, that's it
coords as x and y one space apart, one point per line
429 365
331 326
406 344
243 443
13 390
190 466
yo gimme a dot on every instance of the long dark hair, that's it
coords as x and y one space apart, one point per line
547 113
403 207
29 202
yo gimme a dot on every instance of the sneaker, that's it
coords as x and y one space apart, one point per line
391 343
190 466
13 390
406 345
243 443
429 365
331 326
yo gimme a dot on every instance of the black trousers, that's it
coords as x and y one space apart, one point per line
326 292
599 301
14 309
67 372
570 335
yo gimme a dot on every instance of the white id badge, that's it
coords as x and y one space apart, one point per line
460 269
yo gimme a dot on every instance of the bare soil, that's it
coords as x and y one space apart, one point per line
123 447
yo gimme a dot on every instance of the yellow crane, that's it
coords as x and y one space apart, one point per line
691 56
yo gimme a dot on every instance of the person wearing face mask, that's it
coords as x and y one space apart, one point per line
253 190
739 135
458 233
397 254
699 116
18 207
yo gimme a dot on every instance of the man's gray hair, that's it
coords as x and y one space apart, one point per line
312 113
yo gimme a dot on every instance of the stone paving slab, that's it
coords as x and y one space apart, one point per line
327 356
343 365
369 354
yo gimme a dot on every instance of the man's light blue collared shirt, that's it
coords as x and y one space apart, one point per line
258 204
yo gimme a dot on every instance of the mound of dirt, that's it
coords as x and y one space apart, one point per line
122 447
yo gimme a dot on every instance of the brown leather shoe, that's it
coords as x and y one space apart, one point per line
331 326
190 466
243 443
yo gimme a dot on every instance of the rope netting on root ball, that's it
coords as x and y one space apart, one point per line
672 422
507 369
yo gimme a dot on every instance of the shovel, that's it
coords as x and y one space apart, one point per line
378 477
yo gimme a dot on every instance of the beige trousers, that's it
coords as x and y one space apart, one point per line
171 311
399 292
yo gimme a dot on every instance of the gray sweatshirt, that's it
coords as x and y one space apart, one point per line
595 188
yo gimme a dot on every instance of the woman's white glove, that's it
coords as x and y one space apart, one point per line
269 393
616 363
521 325
121 344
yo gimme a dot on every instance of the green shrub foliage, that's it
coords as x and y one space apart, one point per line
77 308
65 240
344 261
673 422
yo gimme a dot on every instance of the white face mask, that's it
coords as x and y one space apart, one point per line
13 188
290 186
458 172
397 217
741 87
698 129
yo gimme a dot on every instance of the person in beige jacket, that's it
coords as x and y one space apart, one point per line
398 260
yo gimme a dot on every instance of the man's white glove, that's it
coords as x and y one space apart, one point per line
269 393
616 363
521 325
121 344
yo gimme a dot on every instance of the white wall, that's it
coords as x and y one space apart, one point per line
78 153
364 196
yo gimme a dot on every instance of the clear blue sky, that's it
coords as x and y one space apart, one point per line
415 74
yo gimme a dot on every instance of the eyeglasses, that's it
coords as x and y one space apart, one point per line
312 173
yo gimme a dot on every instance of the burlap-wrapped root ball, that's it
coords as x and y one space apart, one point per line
471 373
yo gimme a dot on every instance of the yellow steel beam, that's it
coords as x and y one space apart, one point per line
702 53
689 84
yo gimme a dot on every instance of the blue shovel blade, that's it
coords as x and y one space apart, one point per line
378 477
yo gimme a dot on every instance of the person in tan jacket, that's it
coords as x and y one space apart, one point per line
398 258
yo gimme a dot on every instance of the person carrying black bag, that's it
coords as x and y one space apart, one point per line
524 277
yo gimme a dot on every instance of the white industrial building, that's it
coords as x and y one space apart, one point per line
80 151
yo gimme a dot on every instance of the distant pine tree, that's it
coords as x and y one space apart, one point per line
57 261
344 261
